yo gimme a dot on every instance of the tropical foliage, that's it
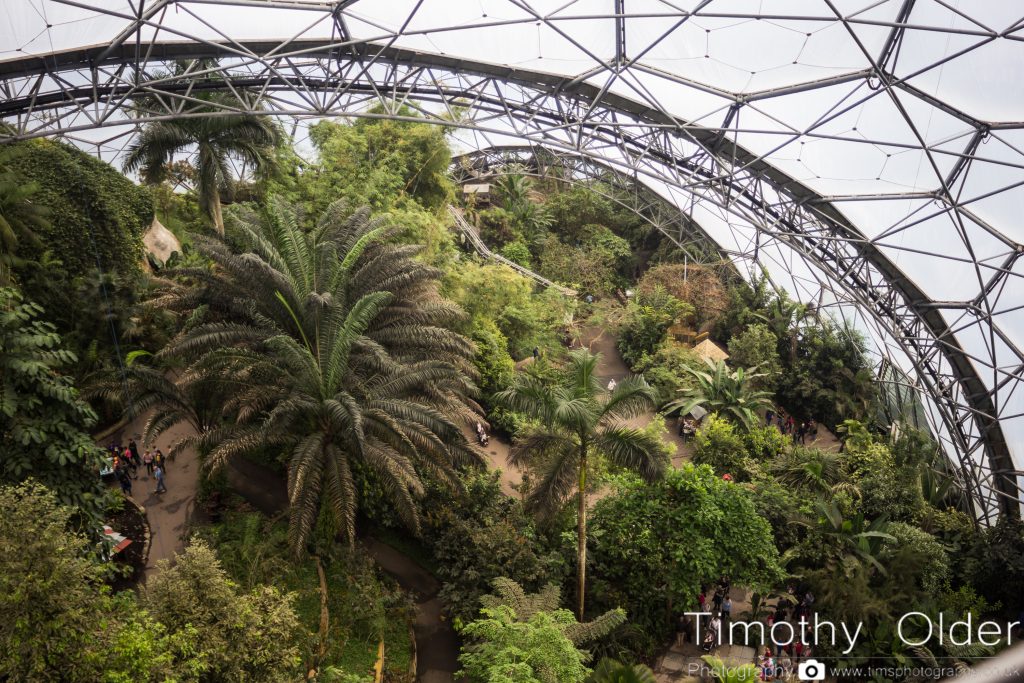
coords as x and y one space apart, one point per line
43 422
731 394
655 545
20 216
191 625
215 141
340 347
529 638
578 422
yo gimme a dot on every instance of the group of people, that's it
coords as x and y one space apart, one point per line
781 664
799 431
127 461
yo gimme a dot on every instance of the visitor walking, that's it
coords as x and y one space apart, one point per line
727 608
124 479
536 353
768 417
147 459
159 474
716 600
612 384
159 460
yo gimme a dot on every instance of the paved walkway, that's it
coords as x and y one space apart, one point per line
167 513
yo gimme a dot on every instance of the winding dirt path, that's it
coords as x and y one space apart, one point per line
167 513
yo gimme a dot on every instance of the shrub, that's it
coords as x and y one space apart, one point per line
244 637
718 445
922 550
44 432
518 252
492 360
757 346
764 443
60 622
648 318
653 546
479 536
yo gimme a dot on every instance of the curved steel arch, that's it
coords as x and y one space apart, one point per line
122 84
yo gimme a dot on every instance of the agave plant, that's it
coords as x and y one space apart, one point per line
339 352
732 395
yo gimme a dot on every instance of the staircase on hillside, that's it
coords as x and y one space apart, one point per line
464 227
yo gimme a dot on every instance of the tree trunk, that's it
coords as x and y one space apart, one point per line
216 214
581 530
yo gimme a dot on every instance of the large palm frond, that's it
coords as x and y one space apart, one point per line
353 376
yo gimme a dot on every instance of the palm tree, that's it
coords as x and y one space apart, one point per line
340 353
579 420
217 139
197 401
813 470
730 394
533 219
20 217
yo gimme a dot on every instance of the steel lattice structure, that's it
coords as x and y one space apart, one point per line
733 156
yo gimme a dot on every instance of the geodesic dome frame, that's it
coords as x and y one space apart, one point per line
877 170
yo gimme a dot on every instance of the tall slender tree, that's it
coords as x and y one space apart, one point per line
340 352
579 422
216 138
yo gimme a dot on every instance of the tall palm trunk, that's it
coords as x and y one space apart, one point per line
216 213
581 531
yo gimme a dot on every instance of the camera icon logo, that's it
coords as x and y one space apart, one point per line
811 670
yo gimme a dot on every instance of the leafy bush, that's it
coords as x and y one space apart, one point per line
503 649
44 430
496 228
476 537
492 361
764 443
586 268
60 622
518 252
718 445
363 608
934 569
244 637
699 286
666 369
381 163
830 379
95 213
529 637
757 346
493 292
653 546
648 318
